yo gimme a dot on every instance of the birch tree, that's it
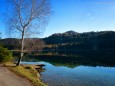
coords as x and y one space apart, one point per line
27 18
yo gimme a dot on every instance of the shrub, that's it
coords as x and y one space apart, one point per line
5 55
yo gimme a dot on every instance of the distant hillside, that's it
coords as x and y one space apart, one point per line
10 43
30 43
87 40
70 40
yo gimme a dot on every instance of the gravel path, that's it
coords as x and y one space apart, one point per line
7 78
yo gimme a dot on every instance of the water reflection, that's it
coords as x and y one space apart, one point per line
77 76
71 60
81 69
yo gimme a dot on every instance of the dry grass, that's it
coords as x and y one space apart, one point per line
26 72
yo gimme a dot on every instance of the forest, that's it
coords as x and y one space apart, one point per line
69 40
88 40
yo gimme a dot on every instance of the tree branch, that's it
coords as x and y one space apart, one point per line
19 29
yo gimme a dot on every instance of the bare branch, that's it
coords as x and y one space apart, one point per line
28 17
19 29
19 13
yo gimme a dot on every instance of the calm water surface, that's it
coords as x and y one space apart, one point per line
77 76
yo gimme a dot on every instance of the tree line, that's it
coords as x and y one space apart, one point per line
79 41
69 40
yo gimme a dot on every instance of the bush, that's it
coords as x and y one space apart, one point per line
5 55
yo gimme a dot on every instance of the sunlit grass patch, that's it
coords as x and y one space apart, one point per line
27 72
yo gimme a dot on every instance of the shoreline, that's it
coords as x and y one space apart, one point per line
27 71
9 78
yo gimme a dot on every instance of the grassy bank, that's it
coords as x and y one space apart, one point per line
26 72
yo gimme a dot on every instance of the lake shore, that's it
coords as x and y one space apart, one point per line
27 72
8 78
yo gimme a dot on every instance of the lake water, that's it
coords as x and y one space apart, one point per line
77 75
88 68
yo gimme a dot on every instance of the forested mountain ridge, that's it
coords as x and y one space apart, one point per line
71 36
87 40
72 40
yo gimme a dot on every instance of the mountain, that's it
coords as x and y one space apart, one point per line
71 40
87 40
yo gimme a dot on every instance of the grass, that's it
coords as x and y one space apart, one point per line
27 72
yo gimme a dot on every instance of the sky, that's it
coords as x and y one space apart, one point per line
76 15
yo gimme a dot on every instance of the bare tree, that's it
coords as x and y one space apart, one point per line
27 18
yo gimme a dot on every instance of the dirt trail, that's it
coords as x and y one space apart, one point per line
7 78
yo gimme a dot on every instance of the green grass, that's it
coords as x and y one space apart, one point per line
27 72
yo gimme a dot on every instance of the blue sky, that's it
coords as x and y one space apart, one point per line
77 15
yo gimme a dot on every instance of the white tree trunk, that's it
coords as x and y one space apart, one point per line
22 48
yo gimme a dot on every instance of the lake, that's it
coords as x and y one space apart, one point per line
66 71
78 76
